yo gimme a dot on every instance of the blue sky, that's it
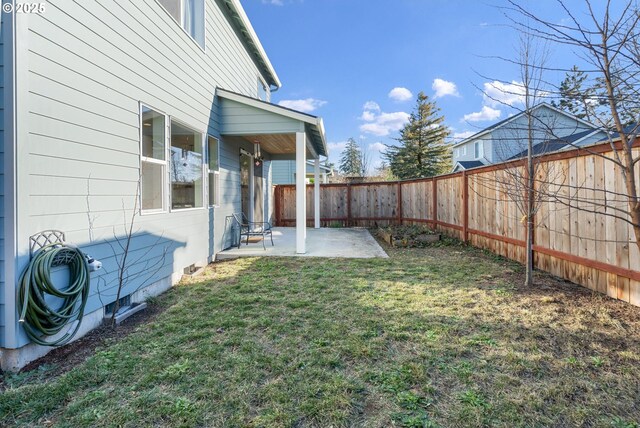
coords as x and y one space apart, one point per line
360 63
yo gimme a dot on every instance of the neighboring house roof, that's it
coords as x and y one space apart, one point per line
554 145
313 124
514 117
467 165
253 43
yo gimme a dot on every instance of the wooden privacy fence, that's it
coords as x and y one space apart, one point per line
585 245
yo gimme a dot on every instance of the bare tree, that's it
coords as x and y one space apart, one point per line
133 265
527 184
607 40
365 162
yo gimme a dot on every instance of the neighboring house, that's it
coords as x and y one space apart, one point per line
580 139
284 172
505 139
99 96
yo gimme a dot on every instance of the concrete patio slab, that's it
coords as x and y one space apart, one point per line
341 243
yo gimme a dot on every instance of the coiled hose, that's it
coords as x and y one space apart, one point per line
38 318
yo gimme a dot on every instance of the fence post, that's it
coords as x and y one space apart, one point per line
348 204
399 209
434 202
465 206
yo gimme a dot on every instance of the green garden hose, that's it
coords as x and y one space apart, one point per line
38 318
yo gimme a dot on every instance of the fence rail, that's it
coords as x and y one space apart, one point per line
592 249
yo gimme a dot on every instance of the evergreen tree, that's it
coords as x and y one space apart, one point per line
588 100
351 160
422 151
575 98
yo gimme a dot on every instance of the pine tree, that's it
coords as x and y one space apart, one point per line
575 98
422 151
588 100
351 160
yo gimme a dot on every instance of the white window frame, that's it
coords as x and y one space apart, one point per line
164 163
478 149
464 150
215 172
205 202
181 22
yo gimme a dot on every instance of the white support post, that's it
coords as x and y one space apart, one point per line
324 178
301 192
316 194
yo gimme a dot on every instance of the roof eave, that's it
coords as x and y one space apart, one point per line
252 39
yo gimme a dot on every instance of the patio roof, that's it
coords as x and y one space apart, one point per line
272 125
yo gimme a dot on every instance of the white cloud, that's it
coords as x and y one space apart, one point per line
274 2
306 105
459 136
443 88
487 113
383 124
400 94
368 116
497 93
337 147
377 147
371 106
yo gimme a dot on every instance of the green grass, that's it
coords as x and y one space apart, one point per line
442 336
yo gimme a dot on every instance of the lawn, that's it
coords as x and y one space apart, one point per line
442 336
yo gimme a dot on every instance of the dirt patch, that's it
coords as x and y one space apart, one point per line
65 358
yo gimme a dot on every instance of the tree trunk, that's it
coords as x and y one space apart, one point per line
529 206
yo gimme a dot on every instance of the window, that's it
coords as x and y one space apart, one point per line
464 150
214 171
263 90
478 149
186 167
153 160
456 153
189 14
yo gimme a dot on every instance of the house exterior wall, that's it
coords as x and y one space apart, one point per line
284 171
83 68
548 124
469 154
509 139
242 119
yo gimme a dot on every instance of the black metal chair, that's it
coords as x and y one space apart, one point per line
252 228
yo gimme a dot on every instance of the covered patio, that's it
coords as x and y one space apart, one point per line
339 242
277 133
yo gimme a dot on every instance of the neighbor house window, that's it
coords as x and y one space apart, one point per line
464 150
153 160
456 153
186 167
478 149
189 14
214 170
